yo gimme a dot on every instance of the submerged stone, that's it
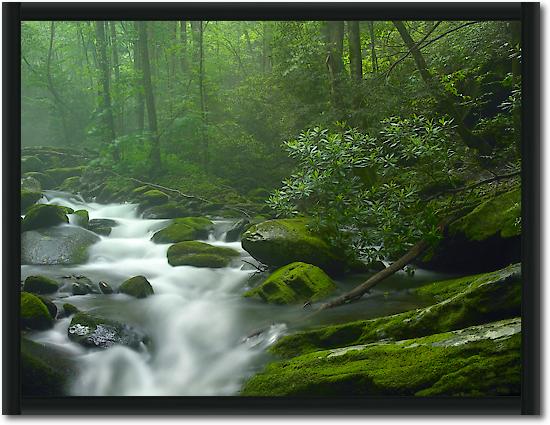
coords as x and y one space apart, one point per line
476 361
137 286
294 283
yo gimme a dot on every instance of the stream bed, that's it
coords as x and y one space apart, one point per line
198 323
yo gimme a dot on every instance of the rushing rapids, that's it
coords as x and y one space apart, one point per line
204 338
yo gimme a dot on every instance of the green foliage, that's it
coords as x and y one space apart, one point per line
365 192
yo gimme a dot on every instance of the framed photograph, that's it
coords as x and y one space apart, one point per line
271 208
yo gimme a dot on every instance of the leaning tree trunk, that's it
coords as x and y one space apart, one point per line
103 64
446 103
149 98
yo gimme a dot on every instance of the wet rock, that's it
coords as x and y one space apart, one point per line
184 229
45 371
31 184
235 232
168 210
105 288
28 199
467 301
31 163
34 313
42 215
56 245
284 241
82 218
137 286
294 283
477 361
70 184
70 309
200 254
102 226
46 182
40 285
98 332
52 308
58 175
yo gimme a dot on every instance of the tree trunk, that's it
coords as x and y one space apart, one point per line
195 34
266 48
446 102
61 107
183 41
140 100
204 136
355 59
374 59
149 98
110 134
116 67
334 42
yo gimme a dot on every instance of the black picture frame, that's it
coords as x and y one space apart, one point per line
529 401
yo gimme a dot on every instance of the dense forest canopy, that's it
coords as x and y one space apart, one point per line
370 119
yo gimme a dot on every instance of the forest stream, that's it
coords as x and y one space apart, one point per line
204 337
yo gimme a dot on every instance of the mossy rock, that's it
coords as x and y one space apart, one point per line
34 313
99 332
82 218
46 182
50 305
31 184
487 238
472 362
31 163
40 285
184 229
137 286
70 309
60 174
43 215
153 197
28 199
170 209
294 283
114 189
71 184
200 254
237 229
283 241
467 301
44 371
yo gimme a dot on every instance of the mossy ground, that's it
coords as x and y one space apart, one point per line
199 254
462 302
483 360
294 283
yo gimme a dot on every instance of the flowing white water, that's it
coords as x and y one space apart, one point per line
197 321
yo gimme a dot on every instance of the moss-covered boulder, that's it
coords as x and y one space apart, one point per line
99 332
44 370
34 313
50 305
71 184
56 245
81 218
283 241
477 361
184 229
70 309
46 182
487 238
113 189
169 209
151 198
459 303
200 254
31 163
137 286
294 283
102 226
40 285
31 184
28 199
43 215
58 175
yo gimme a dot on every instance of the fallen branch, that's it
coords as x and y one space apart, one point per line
179 192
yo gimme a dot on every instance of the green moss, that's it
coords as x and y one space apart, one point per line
137 286
462 302
154 197
70 184
497 216
31 163
60 174
40 285
170 209
199 254
487 357
46 182
184 229
34 313
29 198
294 283
70 309
43 215
82 218
283 241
